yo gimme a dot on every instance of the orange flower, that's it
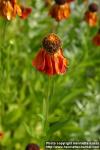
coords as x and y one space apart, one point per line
91 15
91 18
60 10
1 135
50 59
9 9
25 12
32 147
96 39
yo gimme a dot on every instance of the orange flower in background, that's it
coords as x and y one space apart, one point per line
96 39
50 59
25 12
10 8
60 10
91 15
91 18
1 135
32 147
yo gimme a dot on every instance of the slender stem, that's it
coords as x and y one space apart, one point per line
8 70
55 27
2 45
46 107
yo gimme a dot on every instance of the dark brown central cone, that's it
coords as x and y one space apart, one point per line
93 7
51 43
32 147
60 2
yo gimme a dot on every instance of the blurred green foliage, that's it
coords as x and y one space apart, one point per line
75 100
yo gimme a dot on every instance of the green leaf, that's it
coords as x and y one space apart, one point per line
57 126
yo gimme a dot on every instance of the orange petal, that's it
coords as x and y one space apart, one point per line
60 63
62 66
60 12
8 10
39 61
48 64
91 18
17 10
25 12
53 65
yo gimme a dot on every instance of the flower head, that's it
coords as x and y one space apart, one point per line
91 15
10 8
32 147
96 39
60 10
50 59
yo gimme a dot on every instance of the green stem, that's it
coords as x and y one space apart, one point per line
46 107
8 70
2 46
55 27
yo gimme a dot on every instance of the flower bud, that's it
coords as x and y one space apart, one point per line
93 7
32 147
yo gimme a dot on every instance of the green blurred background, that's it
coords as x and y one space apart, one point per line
75 100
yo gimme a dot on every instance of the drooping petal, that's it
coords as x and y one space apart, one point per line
60 63
39 61
48 64
53 65
18 10
7 10
57 65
